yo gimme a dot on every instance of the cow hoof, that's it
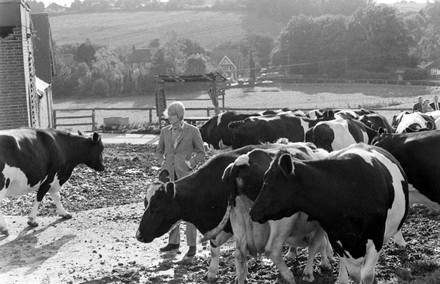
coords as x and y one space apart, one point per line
209 279
66 217
308 278
32 223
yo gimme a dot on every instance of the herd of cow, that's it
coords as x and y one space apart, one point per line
336 178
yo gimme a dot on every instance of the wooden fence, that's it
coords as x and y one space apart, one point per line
87 117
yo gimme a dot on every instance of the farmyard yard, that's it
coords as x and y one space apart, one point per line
98 244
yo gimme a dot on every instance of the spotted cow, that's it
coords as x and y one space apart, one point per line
42 160
359 195
419 155
339 133
269 128
245 177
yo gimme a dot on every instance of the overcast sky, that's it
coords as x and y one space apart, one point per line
67 2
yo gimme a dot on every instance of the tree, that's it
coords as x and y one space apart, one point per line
108 67
195 64
378 38
85 52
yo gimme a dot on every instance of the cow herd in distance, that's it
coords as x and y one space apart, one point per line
343 179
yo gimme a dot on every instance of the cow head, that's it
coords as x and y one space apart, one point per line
245 175
94 159
273 201
161 211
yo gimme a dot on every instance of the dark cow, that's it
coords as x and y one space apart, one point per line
413 122
376 121
200 198
215 131
245 176
268 129
419 155
339 133
359 195
43 160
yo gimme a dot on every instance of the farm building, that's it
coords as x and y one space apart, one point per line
20 101
139 57
227 68
433 69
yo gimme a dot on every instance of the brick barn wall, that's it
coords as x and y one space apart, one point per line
17 75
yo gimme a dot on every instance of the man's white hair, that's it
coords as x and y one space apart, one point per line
175 108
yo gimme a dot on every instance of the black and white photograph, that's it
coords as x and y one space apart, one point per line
219 141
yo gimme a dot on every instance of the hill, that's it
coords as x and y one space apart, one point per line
122 29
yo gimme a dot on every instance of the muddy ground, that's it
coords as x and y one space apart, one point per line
98 244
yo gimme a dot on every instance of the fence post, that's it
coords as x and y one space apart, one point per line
150 115
93 119
54 119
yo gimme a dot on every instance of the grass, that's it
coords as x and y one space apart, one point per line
125 29
393 98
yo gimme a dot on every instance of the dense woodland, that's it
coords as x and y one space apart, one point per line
321 39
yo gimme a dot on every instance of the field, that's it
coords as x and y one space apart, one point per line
393 98
124 29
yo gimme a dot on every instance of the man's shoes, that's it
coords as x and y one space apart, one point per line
169 247
191 252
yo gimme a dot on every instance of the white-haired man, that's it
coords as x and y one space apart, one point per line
179 150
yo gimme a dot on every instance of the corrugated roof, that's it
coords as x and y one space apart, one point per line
190 78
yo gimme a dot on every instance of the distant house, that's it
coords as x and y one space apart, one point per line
55 8
139 57
227 68
433 69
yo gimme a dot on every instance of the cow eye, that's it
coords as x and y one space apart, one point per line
155 207
145 203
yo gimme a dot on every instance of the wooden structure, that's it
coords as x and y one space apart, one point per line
217 84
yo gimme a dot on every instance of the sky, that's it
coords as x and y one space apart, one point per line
68 2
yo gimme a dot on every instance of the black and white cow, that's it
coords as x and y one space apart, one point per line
359 195
339 133
376 121
245 177
215 131
419 155
200 198
42 160
269 128
413 122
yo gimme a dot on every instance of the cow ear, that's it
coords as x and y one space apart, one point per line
285 164
164 176
80 133
430 125
381 131
96 137
170 189
330 114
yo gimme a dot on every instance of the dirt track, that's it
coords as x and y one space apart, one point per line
96 246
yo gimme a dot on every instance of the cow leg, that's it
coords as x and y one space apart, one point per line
42 190
54 192
221 238
3 227
342 273
212 273
326 253
399 240
315 245
240 260
277 258
368 268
